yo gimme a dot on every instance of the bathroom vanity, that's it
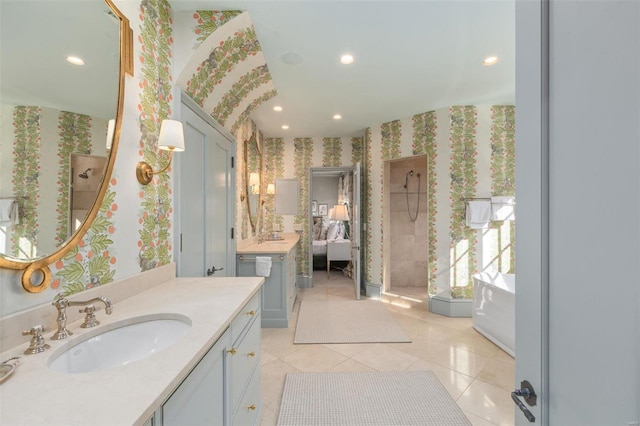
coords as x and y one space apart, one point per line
210 375
279 290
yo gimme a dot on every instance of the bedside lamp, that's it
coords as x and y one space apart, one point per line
171 139
340 212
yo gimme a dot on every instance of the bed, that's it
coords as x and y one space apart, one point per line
328 243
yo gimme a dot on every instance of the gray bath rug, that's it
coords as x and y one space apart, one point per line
347 321
368 398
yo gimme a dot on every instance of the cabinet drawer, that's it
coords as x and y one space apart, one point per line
243 359
248 412
248 312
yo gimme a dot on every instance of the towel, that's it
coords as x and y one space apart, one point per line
478 214
263 266
9 211
502 208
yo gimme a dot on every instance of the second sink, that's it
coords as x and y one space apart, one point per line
122 343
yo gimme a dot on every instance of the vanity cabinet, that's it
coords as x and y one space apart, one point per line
224 387
279 289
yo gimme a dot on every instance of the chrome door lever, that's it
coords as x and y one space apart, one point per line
213 270
526 391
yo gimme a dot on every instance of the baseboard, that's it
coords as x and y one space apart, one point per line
458 308
304 281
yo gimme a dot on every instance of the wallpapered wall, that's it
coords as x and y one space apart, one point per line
133 231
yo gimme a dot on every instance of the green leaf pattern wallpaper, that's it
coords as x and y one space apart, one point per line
155 105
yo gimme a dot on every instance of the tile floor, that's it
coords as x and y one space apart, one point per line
477 374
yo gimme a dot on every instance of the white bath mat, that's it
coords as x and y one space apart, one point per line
347 321
368 398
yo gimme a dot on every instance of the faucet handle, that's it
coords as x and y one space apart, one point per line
37 343
90 317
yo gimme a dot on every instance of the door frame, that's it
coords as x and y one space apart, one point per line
187 102
532 189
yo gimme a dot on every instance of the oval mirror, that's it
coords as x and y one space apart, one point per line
252 179
61 95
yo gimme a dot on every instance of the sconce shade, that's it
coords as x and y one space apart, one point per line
255 189
339 212
254 179
271 189
171 139
171 136
111 129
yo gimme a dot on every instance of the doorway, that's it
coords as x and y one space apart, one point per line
405 228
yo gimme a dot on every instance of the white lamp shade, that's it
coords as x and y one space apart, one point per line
111 129
339 212
255 189
271 189
171 136
254 179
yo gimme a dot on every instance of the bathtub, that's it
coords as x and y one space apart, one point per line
493 310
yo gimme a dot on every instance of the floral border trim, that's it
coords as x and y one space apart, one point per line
357 150
368 208
75 137
245 116
221 61
155 104
273 169
424 142
463 171
25 179
239 91
331 152
208 21
90 263
303 154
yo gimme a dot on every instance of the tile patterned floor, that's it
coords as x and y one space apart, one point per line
477 374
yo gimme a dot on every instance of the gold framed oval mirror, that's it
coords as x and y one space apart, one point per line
253 179
61 124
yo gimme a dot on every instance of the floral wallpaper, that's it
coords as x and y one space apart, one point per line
75 137
273 169
90 263
303 151
331 152
155 105
207 21
25 179
463 240
424 142
367 207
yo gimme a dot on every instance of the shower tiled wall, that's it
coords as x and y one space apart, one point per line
408 263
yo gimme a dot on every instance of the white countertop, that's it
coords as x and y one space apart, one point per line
290 239
125 395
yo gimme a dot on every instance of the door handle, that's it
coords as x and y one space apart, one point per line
213 270
526 391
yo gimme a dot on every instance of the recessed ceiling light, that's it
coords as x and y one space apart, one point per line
75 60
337 116
285 127
490 60
346 59
277 108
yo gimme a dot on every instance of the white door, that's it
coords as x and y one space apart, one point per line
577 297
205 193
355 230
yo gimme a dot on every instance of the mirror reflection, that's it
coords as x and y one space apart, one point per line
58 91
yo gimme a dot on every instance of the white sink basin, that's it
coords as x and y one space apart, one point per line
120 343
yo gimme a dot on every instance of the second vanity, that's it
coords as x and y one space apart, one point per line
211 375
279 290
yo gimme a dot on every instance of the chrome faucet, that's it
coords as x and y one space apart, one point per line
61 303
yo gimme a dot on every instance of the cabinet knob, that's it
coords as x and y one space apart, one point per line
251 354
252 407
251 313
232 351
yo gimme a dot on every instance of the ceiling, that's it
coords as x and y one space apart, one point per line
410 57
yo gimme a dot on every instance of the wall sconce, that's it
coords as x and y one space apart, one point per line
111 128
171 139
254 183
340 212
271 190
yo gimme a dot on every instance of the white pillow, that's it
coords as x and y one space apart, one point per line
332 232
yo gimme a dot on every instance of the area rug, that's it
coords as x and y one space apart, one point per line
368 398
347 321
